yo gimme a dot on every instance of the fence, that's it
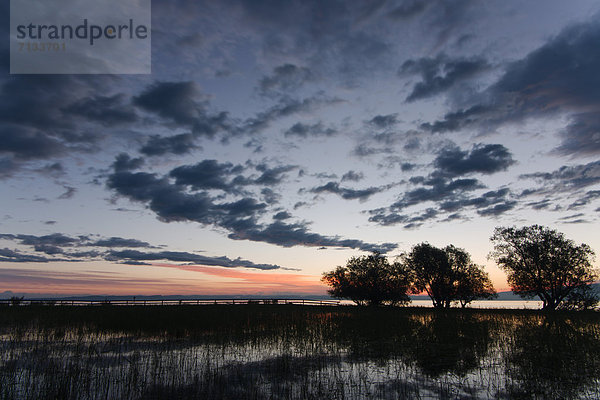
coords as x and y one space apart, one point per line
137 302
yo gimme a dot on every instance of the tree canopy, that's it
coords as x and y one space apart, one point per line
541 262
446 275
369 280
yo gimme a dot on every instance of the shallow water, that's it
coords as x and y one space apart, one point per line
300 354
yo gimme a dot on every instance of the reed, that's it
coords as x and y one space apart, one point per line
295 352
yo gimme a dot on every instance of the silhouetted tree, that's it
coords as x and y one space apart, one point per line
473 283
581 298
541 262
446 275
369 280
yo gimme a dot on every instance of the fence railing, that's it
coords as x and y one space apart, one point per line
138 302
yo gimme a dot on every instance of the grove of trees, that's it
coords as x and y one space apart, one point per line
538 261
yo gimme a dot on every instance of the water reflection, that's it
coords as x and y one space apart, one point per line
293 353
553 357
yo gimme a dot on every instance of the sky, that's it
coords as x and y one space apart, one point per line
274 140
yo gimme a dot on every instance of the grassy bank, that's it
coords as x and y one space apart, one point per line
295 352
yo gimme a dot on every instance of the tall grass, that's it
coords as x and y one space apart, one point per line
294 352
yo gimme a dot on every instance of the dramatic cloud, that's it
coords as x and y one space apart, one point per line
289 235
94 250
178 256
208 174
348 193
440 74
437 189
172 202
176 144
485 159
182 104
124 162
384 218
559 77
120 242
568 178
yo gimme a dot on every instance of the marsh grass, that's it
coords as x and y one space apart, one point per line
295 352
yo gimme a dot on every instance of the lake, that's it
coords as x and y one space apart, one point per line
492 304
296 352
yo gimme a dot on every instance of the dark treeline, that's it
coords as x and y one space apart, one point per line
538 262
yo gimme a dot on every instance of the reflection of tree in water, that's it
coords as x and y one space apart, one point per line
449 342
436 343
556 358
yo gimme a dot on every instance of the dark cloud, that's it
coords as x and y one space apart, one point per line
28 143
540 205
366 150
69 193
55 239
208 174
182 143
285 78
285 107
486 159
172 202
120 242
48 95
437 190
43 117
106 110
269 196
282 215
352 176
581 135
456 120
386 218
384 121
407 167
129 256
55 169
123 162
484 201
559 77
348 193
440 73
586 199
48 249
497 209
54 244
567 178
7 255
447 195
289 235
304 130
182 104
271 176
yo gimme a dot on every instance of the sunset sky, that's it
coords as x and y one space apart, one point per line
274 140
